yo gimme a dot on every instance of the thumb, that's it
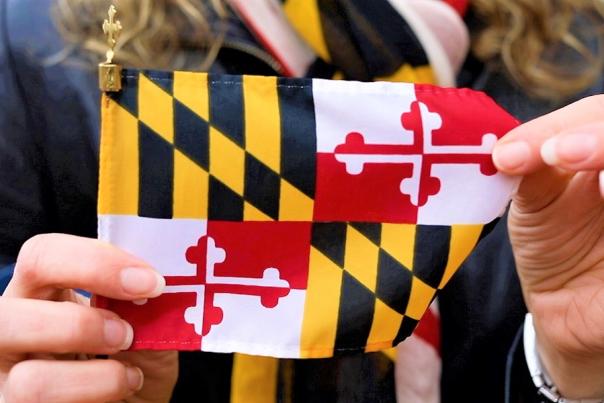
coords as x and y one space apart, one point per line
540 189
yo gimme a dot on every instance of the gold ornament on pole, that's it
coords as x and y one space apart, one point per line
110 74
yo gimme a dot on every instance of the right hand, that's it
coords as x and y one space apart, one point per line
49 335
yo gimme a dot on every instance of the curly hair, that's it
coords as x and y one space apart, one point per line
154 30
528 37
552 48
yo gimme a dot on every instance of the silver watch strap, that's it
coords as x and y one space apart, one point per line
543 383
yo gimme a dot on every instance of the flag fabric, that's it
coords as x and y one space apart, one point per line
381 40
294 218
332 29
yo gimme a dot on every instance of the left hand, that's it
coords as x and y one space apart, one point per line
556 226
49 334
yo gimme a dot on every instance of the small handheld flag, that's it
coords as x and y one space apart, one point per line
294 217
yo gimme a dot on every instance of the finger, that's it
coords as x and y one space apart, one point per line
161 372
55 261
34 326
581 149
71 381
519 152
602 183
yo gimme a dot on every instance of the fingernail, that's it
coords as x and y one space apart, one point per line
602 183
512 156
118 334
549 152
571 148
139 281
135 378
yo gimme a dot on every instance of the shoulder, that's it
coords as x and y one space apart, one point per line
28 27
32 47
56 103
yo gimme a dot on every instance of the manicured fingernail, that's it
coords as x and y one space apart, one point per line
135 378
118 334
549 151
512 156
570 148
139 281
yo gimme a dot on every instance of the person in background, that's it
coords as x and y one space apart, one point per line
531 56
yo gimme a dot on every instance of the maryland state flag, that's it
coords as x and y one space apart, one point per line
293 217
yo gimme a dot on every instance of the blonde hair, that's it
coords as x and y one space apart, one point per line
552 48
525 35
155 31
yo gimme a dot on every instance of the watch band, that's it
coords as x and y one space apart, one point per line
541 379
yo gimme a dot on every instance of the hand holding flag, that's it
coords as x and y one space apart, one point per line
556 225
47 330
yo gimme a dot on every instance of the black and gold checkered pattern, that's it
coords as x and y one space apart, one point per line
388 276
224 148
389 49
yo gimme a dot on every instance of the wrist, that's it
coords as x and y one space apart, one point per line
564 378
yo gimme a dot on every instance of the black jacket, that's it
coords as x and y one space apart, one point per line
49 123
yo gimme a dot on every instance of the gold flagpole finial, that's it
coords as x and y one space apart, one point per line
112 29
109 73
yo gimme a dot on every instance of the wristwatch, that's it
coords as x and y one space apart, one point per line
545 386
